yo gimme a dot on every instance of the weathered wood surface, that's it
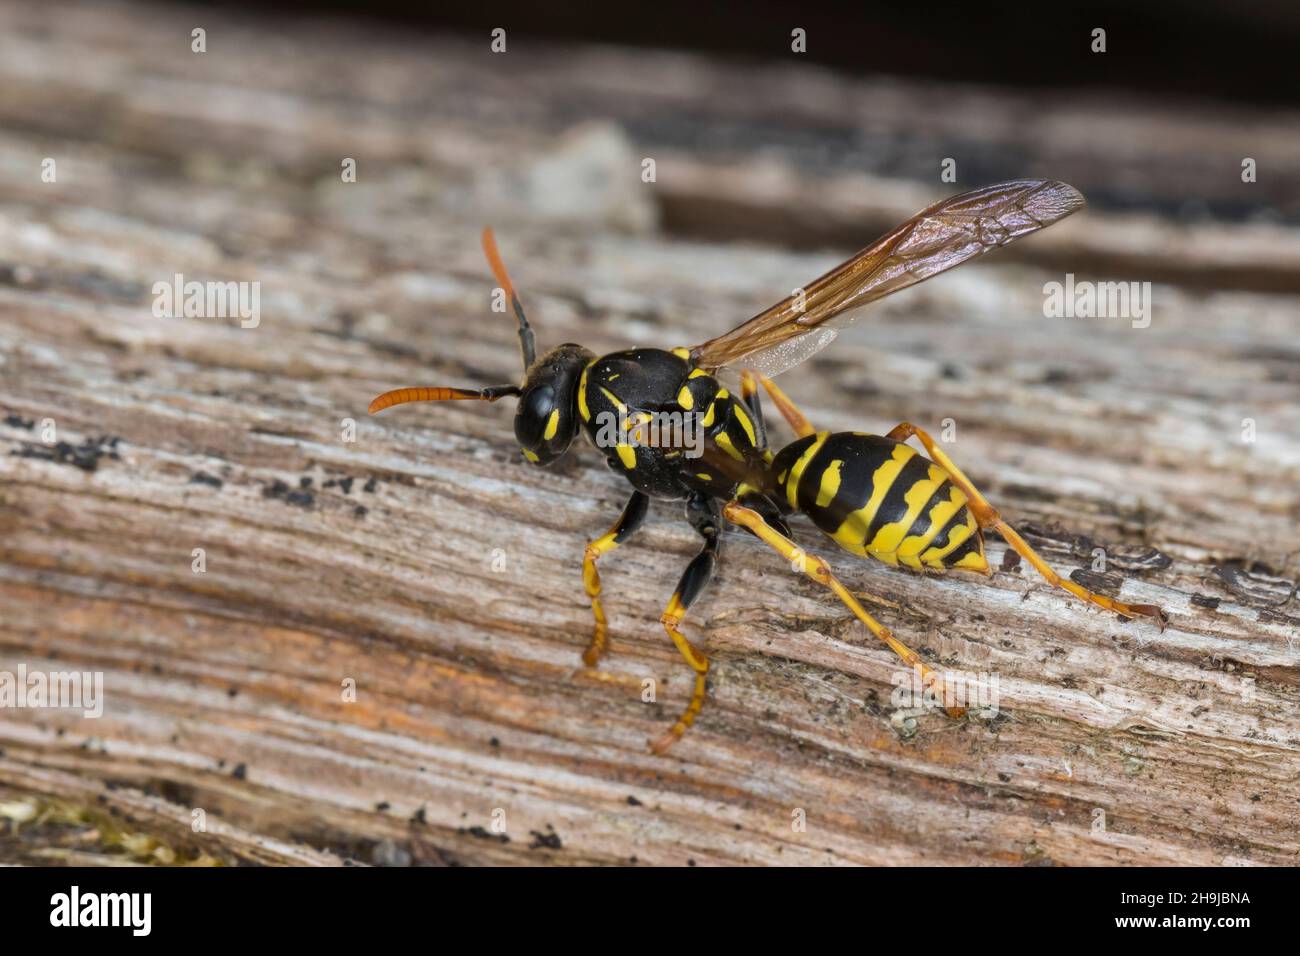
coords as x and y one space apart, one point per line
373 560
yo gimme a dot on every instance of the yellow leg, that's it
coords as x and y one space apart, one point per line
988 517
702 512
802 427
820 571
627 522
672 616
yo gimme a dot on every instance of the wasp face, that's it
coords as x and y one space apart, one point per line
546 418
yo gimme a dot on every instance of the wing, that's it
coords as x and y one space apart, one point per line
945 235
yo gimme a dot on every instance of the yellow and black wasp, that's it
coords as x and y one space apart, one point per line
873 495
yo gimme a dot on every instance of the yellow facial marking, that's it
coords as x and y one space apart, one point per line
583 410
703 477
552 425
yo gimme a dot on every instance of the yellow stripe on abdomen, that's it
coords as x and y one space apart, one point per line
910 548
830 483
956 538
796 470
850 534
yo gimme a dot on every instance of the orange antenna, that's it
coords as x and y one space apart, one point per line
526 342
420 393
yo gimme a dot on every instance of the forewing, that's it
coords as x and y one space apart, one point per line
944 235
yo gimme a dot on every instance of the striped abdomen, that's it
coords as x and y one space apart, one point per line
880 497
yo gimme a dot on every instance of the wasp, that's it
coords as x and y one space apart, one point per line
873 495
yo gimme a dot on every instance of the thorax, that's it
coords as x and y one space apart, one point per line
652 414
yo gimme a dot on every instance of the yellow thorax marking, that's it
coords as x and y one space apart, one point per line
724 442
614 399
745 423
636 421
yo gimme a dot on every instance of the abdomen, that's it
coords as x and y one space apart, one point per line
879 497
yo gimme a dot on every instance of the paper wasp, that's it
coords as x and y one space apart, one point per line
873 495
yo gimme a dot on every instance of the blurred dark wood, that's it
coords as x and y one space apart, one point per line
373 560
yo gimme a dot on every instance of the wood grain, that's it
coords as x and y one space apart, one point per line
426 562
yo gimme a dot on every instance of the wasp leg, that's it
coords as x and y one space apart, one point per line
798 421
820 571
631 518
988 517
702 512
753 401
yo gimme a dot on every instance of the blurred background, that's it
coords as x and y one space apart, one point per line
1214 58
1212 50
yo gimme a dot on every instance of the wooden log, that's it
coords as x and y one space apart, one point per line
380 660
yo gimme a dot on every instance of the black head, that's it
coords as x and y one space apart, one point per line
546 418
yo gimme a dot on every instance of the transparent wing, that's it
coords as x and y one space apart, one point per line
944 235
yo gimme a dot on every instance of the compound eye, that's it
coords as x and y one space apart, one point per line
536 407
536 425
